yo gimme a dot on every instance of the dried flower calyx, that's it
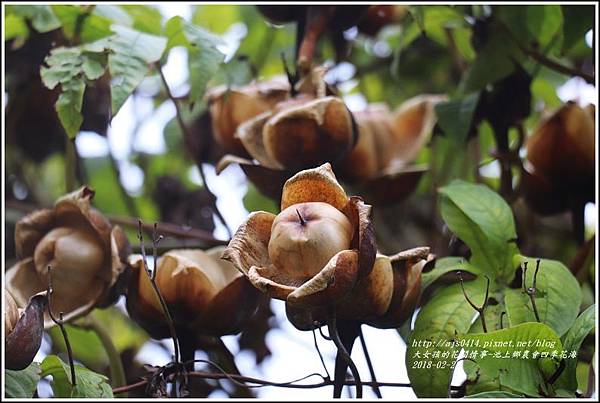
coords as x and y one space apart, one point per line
204 294
319 251
86 254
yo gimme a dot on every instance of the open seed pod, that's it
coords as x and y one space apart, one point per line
320 234
87 256
205 294
23 330
309 129
230 107
318 252
562 148
380 162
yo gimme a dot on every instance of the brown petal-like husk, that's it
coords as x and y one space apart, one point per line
250 134
540 194
188 280
372 295
407 267
142 302
309 134
250 243
374 147
332 283
23 343
413 122
23 281
268 181
314 185
30 229
232 306
306 318
272 281
230 107
562 147
359 214
120 249
392 187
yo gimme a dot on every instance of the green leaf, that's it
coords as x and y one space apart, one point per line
14 27
483 220
520 373
128 63
88 383
41 16
93 66
558 296
446 314
544 22
204 58
146 18
65 66
443 266
68 106
80 21
495 394
22 384
455 116
584 325
214 17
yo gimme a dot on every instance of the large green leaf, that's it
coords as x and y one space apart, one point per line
88 383
455 116
204 58
505 360
483 220
146 18
437 324
583 325
558 296
41 16
22 384
131 54
494 395
69 67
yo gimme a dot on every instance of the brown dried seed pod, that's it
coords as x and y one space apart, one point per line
205 294
86 253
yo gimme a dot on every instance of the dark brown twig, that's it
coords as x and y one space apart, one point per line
61 324
479 309
363 344
551 64
152 277
262 382
319 352
531 291
175 230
